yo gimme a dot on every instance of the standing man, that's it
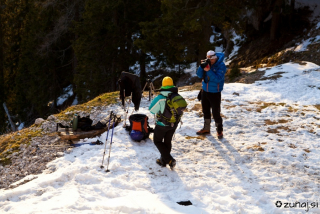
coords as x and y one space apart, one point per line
164 130
212 74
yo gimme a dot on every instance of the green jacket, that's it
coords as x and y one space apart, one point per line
159 102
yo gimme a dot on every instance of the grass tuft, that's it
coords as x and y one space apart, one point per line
100 101
307 150
201 137
256 148
292 146
269 122
11 143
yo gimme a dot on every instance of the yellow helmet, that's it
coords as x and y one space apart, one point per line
167 82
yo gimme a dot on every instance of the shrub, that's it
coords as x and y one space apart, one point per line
234 73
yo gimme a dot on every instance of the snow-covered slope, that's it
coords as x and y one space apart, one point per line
270 153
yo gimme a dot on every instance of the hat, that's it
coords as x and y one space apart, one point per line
167 83
211 53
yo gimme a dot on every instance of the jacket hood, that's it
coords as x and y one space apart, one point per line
220 58
165 92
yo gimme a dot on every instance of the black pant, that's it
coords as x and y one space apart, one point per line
162 138
213 101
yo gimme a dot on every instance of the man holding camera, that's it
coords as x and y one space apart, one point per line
212 71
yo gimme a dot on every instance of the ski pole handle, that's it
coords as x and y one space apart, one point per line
109 124
114 121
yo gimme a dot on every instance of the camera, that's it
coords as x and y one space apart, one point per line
149 79
205 62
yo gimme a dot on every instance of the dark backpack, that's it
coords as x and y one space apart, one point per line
84 123
173 110
139 122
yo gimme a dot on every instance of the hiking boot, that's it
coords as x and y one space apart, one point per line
203 132
172 164
220 135
206 128
161 162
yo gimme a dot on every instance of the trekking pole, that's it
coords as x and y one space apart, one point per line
114 121
104 152
125 117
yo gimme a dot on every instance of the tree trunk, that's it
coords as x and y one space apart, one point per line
293 2
74 57
2 97
143 73
229 45
1 57
274 31
203 45
292 5
113 74
1 51
76 36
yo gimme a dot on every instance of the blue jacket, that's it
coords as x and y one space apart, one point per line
213 80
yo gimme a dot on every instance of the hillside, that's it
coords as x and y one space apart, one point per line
259 53
20 154
269 154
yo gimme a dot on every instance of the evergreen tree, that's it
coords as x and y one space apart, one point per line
182 32
105 45
39 56
13 14
45 62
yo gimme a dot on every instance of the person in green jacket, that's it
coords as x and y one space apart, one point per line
164 130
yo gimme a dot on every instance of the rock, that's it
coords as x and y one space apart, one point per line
51 117
15 154
69 150
38 121
59 154
54 140
23 146
49 126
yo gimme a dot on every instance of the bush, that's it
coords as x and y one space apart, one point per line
234 73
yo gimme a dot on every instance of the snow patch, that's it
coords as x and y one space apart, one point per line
67 92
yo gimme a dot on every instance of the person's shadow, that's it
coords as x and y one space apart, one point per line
166 183
249 181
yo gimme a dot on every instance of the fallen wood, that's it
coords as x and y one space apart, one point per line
79 134
55 146
13 127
